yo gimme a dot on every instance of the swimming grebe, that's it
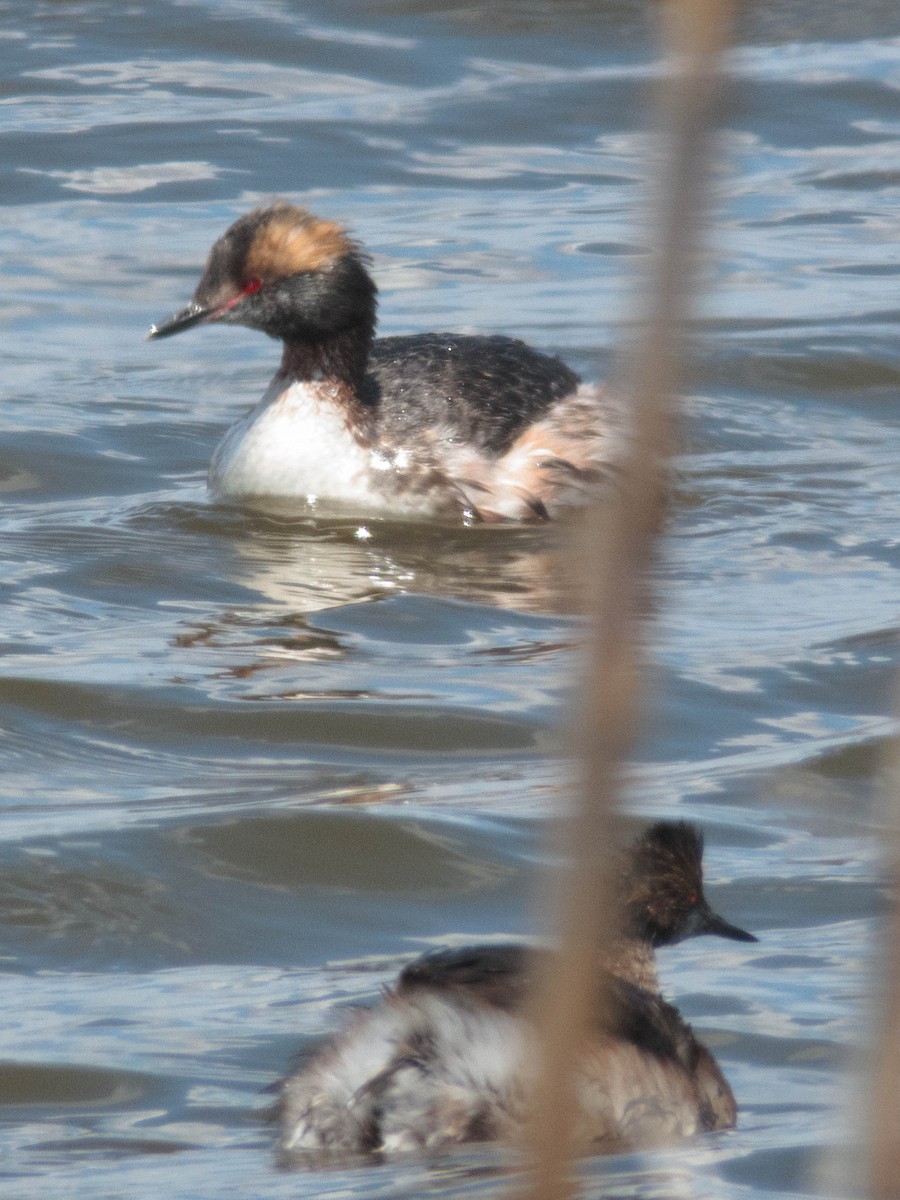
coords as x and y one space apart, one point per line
443 1058
434 424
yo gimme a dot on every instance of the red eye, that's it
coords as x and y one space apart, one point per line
692 898
251 286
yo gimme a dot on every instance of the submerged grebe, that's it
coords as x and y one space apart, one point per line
443 1058
433 424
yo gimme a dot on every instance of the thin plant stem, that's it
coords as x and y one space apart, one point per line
618 545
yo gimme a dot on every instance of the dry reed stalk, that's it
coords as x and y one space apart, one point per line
884 1114
617 548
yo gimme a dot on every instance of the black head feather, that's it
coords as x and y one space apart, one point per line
662 891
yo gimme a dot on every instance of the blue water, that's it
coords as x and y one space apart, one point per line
251 764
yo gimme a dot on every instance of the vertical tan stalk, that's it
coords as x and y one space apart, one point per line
618 546
884 1153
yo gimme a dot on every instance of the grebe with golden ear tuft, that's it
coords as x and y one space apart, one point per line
434 424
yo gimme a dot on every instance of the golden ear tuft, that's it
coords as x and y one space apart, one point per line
293 240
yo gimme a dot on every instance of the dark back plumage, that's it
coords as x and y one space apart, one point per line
486 388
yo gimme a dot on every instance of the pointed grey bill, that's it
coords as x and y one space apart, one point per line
708 921
193 314
702 919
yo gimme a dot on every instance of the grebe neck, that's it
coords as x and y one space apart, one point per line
340 359
634 961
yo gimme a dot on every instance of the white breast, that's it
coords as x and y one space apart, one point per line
294 443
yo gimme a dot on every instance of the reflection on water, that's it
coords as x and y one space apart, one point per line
252 764
523 569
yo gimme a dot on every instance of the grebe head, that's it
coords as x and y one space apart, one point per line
288 273
662 892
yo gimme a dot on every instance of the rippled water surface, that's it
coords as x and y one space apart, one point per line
251 764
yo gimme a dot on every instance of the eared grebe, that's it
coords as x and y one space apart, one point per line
433 424
444 1058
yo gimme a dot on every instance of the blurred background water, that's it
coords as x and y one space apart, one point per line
250 764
